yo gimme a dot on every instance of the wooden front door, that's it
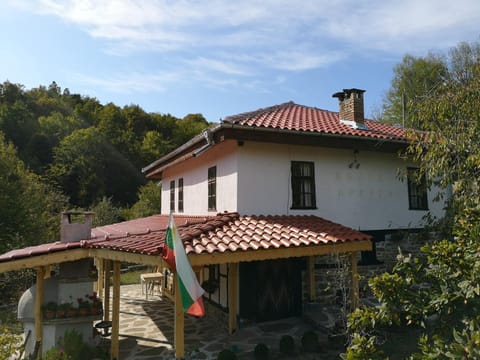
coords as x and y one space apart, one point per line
270 290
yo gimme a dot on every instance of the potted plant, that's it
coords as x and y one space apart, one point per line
96 304
49 310
71 311
62 310
83 307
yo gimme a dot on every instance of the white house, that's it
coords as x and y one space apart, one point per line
259 199
291 160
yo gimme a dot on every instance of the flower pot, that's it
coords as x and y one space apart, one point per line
49 314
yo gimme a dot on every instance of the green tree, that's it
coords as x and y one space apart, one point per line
29 208
88 167
106 212
149 201
413 78
188 127
154 146
437 298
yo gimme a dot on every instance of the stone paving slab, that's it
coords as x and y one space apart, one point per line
147 328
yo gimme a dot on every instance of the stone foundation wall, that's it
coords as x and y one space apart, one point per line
407 243
331 279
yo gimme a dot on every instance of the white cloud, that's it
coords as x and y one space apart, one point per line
251 24
131 82
219 66
230 41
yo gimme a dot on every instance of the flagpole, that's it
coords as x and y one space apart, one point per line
179 337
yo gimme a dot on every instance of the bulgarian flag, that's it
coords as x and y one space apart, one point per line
174 254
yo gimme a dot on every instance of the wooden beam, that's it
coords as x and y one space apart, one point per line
311 283
115 312
123 256
44 260
283 253
179 337
38 310
106 295
232 297
354 291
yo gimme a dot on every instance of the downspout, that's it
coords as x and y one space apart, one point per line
207 134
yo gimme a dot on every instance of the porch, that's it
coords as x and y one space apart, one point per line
147 332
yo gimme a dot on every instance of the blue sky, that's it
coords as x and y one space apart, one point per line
221 57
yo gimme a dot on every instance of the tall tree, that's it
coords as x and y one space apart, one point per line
437 298
149 201
29 208
89 168
188 127
413 79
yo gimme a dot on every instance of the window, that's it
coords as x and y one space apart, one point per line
212 188
303 185
172 195
180 195
417 190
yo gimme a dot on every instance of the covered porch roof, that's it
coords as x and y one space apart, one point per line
227 237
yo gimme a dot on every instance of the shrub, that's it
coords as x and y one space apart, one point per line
9 343
261 352
72 347
287 345
310 341
226 355
55 354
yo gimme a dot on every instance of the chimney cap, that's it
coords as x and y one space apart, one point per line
341 95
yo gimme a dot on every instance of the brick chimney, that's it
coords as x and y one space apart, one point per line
351 107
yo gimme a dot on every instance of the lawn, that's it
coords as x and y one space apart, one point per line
131 277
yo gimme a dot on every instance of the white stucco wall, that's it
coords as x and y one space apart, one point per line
371 197
195 186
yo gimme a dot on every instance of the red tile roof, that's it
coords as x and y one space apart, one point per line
291 116
39 250
207 234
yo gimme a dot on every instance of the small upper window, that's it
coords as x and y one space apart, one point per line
180 195
417 190
172 195
212 188
303 185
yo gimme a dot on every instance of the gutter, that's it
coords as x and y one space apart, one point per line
207 134
196 139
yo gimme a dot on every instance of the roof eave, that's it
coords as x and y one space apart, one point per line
191 144
186 151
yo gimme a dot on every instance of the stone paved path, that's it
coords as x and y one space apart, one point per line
146 332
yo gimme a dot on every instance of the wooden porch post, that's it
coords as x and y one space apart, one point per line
38 310
232 297
179 337
115 311
101 277
311 283
354 279
106 290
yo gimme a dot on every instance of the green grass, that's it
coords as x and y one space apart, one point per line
131 277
